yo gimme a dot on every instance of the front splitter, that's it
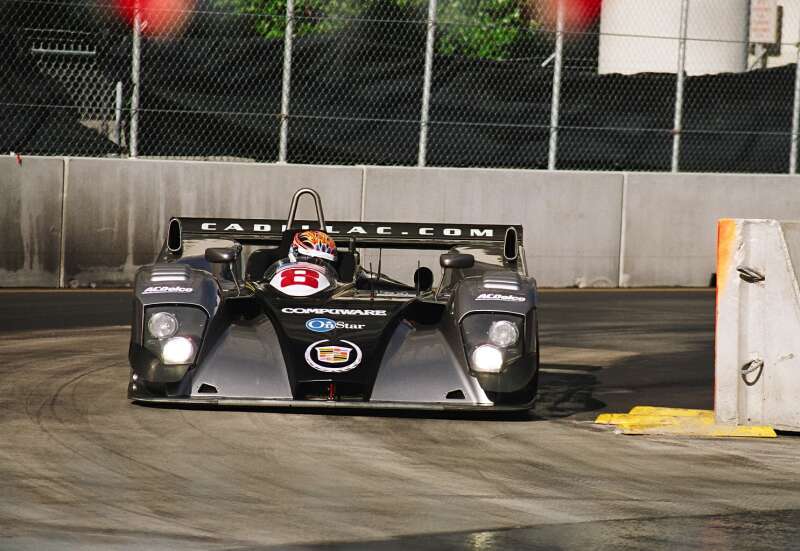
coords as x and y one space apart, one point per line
335 404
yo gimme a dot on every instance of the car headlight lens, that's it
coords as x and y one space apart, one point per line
492 340
162 325
177 350
487 359
503 333
172 330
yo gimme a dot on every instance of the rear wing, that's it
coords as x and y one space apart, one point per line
397 235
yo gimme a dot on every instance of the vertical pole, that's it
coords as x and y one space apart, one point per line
136 54
747 36
287 82
555 104
761 56
678 125
118 114
426 84
795 115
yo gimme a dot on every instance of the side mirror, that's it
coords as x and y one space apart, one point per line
459 261
423 279
221 255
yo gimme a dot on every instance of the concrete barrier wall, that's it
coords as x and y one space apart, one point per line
117 211
571 220
580 227
671 219
757 367
30 221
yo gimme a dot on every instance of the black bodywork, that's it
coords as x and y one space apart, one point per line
367 341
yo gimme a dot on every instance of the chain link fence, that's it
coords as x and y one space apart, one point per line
658 85
56 96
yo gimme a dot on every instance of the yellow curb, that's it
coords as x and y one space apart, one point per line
675 412
688 422
643 417
715 431
664 421
611 418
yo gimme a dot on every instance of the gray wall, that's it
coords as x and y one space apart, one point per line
30 221
117 211
671 221
581 228
571 220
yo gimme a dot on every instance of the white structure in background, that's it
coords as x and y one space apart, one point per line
757 367
641 36
788 27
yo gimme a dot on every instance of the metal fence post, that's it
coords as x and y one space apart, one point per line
555 103
795 115
287 82
426 84
678 125
136 58
118 114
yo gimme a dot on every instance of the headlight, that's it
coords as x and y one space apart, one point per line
487 359
177 350
503 333
174 333
492 340
162 325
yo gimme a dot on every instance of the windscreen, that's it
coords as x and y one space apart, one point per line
400 264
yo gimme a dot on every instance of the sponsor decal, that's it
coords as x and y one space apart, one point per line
334 311
323 325
407 230
166 289
329 357
299 280
333 354
503 298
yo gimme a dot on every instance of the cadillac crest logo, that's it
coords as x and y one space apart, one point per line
333 354
326 356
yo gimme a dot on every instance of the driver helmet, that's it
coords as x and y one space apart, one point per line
313 244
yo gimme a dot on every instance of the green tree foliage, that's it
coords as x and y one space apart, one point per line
319 16
480 29
483 29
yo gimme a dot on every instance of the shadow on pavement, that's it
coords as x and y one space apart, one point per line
566 390
750 530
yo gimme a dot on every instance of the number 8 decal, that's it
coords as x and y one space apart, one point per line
299 280
299 276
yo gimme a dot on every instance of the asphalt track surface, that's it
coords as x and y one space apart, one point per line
81 468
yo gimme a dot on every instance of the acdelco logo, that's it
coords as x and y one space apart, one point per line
165 289
503 298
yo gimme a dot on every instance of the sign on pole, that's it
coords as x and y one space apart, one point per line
763 21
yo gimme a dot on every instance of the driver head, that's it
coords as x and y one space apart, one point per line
313 244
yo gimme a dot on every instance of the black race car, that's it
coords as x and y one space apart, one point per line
227 315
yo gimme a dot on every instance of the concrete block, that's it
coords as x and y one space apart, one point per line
571 220
117 210
670 221
757 367
30 221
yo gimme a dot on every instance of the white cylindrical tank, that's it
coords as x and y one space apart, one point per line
641 36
